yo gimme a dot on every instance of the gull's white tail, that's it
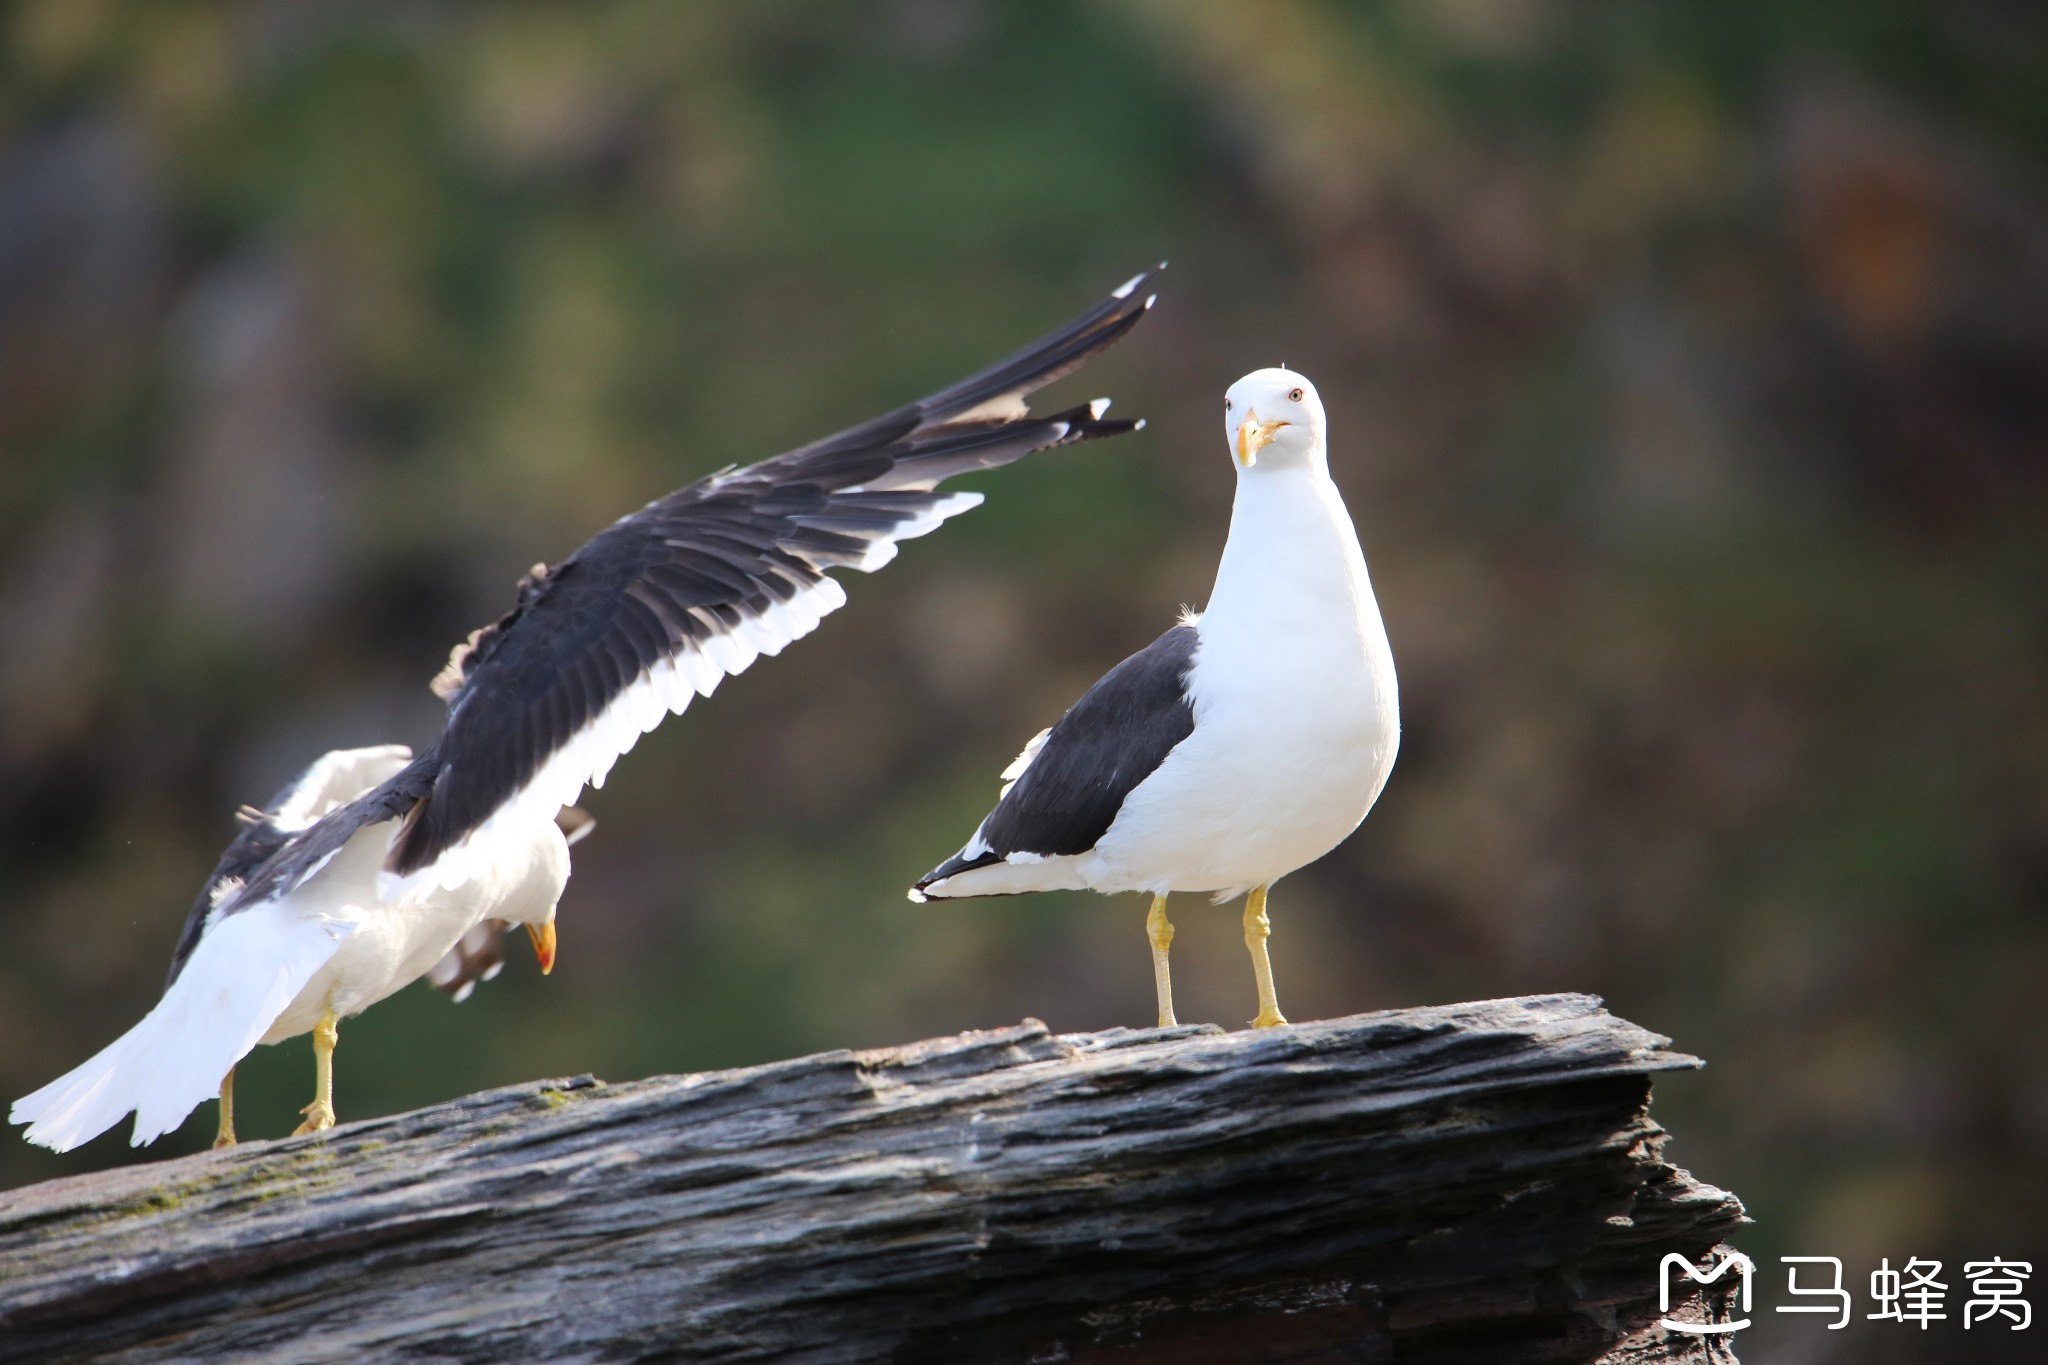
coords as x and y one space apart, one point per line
243 974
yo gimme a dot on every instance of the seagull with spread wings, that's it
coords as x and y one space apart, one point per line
378 865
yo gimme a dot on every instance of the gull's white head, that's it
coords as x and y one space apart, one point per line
1273 419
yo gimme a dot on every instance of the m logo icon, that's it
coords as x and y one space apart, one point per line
1686 1271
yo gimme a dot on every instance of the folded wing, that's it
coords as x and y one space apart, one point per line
1065 790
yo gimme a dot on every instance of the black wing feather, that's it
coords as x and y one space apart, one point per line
1112 739
726 547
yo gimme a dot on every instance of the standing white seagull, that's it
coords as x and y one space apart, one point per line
378 866
1246 742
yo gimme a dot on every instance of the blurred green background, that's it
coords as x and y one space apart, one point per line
1688 372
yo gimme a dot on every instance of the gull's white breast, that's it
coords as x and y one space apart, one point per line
1296 712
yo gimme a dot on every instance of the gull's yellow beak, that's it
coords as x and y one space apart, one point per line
1253 436
543 936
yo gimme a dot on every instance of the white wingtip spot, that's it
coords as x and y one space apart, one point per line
1140 426
1098 407
916 896
1123 291
1150 299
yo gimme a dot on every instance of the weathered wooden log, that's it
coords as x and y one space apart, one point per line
1468 1183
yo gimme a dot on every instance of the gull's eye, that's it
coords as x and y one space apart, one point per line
1294 395
1226 405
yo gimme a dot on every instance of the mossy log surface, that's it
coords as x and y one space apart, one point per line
1474 1182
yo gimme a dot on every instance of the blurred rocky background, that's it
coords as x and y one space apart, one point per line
1688 367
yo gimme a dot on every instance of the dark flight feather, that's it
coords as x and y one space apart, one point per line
1112 739
720 552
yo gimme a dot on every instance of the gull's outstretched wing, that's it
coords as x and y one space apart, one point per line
660 606
1066 788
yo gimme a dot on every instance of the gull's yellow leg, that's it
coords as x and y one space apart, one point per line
1257 928
1161 933
226 1136
320 1113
